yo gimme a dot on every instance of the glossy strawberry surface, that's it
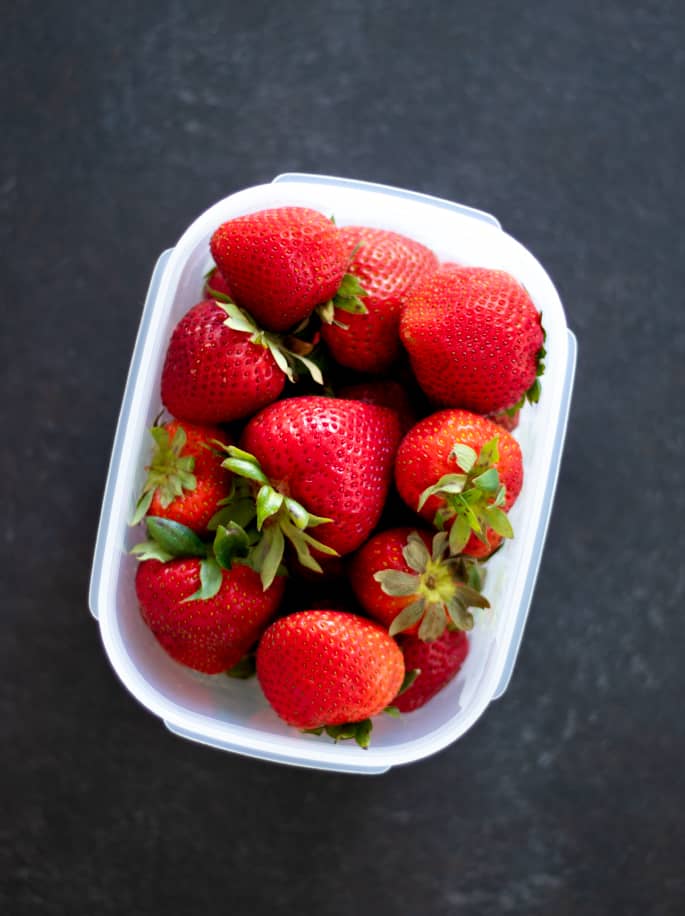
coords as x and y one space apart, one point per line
209 635
387 265
334 456
474 337
280 263
213 373
323 667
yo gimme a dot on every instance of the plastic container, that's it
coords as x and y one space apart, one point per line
233 715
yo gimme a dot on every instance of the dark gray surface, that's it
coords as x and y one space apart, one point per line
124 121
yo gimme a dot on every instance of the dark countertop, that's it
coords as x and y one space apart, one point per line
122 123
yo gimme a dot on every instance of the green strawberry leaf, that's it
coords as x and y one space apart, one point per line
244 468
460 532
269 501
211 578
392 711
498 521
488 480
397 583
470 597
142 506
174 538
230 541
409 678
348 296
489 453
465 456
272 554
440 541
407 617
459 615
415 553
448 483
151 550
433 623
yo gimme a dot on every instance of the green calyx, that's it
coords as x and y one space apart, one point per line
442 587
290 354
278 518
473 498
347 299
356 731
169 473
532 395
168 540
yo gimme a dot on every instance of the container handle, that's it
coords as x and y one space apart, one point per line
548 499
356 184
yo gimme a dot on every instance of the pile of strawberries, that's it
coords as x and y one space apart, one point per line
337 466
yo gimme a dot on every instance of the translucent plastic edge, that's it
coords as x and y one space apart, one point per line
124 412
386 189
545 516
273 757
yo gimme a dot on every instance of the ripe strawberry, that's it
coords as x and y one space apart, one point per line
207 634
387 265
216 287
403 579
437 662
322 669
280 263
385 393
185 480
214 373
316 461
463 472
475 339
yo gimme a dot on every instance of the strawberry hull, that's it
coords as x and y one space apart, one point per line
233 714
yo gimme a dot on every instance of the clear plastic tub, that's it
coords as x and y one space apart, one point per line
233 715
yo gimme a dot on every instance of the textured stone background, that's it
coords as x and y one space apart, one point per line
121 123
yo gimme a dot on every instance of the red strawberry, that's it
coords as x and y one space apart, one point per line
463 472
438 663
216 287
280 263
384 393
474 338
185 479
214 373
403 579
316 461
326 669
387 265
211 634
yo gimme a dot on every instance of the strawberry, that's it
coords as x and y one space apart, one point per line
463 472
316 461
403 579
387 265
322 669
437 663
475 339
385 393
185 480
216 287
280 263
221 367
207 634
